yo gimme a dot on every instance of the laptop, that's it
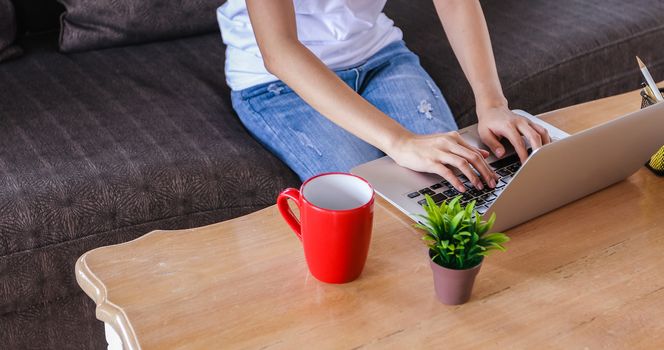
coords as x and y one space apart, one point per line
568 168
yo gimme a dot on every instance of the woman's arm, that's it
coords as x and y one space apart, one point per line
465 26
273 23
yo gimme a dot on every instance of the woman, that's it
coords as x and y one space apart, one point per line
327 85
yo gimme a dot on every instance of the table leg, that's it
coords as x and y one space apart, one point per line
112 338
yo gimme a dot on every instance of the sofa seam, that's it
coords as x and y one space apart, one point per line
50 301
127 226
469 110
45 303
587 53
603 82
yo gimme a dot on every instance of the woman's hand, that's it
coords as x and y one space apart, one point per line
498 122
436 153
467 32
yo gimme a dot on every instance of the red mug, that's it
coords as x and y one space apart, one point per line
336 217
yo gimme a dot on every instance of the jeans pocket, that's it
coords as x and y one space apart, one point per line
274 88
273 98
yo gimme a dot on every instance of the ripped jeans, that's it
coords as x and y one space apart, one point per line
310 144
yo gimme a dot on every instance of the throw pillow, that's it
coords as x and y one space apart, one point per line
7 32
96 24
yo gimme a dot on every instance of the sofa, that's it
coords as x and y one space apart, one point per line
101 146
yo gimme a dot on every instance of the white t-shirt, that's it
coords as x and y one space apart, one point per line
341 33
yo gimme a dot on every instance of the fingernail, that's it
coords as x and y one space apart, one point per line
461 189
493 183
479 186
499 152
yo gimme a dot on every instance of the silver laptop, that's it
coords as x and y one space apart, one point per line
570 167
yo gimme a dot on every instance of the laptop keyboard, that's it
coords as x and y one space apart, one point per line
443 190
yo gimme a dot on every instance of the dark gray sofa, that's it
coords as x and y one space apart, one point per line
100 147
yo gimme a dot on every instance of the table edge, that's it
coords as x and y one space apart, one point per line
105 310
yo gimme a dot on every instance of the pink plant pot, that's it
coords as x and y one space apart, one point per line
453 287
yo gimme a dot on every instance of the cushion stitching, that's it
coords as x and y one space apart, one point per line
50 301
587 53
515 85
128 226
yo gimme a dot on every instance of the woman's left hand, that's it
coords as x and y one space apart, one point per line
498 122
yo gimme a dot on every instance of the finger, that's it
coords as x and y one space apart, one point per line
517 141
485 154
491 140
479 163
448 175
493 174
543 133
463 165
533 136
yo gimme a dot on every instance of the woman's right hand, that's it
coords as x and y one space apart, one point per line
439 153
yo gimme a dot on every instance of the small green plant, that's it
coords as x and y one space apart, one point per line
458 237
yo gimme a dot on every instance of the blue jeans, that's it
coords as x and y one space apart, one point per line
310 144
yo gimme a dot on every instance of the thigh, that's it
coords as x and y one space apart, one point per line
403 90
302 138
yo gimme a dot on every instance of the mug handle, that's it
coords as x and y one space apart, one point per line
286 212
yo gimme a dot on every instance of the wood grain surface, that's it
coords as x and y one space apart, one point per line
589 275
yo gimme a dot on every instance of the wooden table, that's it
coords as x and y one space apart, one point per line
587 276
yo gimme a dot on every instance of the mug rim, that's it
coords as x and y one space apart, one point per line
367 204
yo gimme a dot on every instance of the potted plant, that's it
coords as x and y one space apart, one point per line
458 239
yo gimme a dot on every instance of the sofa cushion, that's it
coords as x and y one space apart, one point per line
68 323
7 31
113 144
550 54
96 24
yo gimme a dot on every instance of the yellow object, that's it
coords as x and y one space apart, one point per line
657 162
